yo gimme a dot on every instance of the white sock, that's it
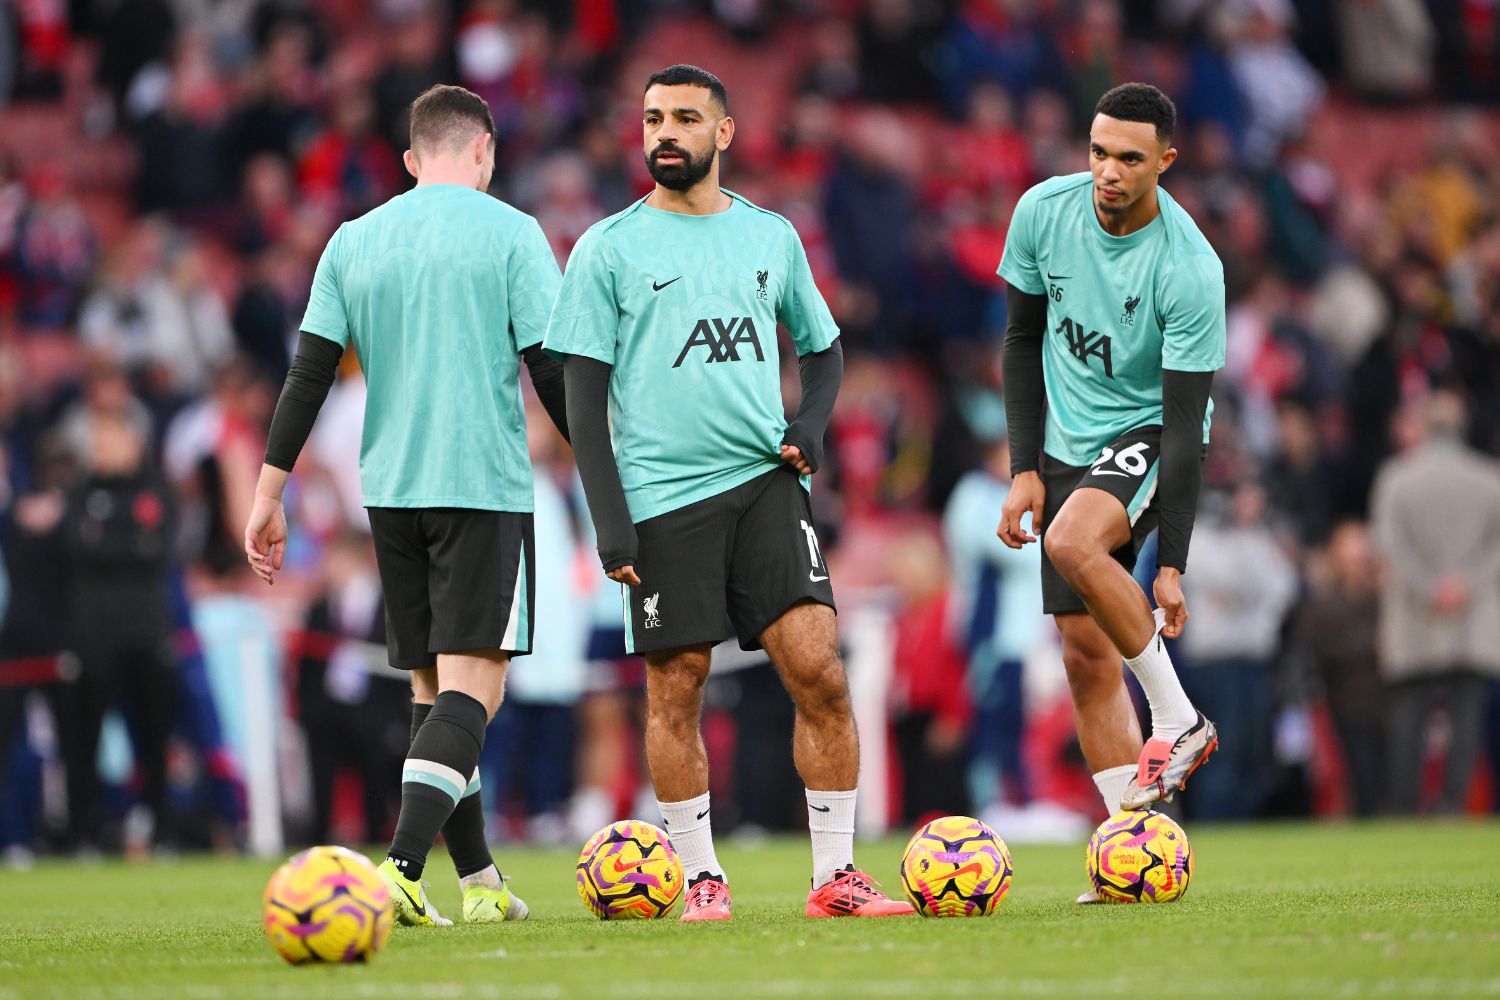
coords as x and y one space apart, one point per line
692 837
1172 714
1111 783
830 817
489 878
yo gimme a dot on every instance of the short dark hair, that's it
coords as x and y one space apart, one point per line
445 115
685 73
1140 102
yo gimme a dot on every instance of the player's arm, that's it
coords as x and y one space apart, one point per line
587 390
1025 393
822 372
325 331
1193 345
532 282
1184 401
820 359
547 379
1025 326
307 383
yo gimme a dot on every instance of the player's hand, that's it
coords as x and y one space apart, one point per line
1026 494
625 574
792 455
1168 590
265 537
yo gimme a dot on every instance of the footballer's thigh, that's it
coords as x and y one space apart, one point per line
403 561
776 565
682 563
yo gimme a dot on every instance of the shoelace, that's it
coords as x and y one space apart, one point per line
848 882
706 893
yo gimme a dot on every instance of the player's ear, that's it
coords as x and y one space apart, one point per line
1167 159
481 147
724 134
413 166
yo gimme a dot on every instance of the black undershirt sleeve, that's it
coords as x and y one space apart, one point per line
1025 391
1184 400
547 379
587 391
307 384
821 373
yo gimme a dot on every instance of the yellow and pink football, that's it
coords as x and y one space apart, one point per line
629 871
956 867
327 904
1140 857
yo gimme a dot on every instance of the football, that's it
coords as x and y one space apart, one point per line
327 904
956 867
628 871
1140 857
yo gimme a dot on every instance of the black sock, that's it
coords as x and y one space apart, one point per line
438 767
419 714
464 831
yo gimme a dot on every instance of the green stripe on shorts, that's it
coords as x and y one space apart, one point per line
1144 495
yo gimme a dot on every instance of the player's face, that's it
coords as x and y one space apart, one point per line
683 132
1126 158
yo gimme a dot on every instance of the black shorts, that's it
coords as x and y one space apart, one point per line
726 566
455 580
1127 471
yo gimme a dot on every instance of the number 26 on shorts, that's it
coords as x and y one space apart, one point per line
1128 461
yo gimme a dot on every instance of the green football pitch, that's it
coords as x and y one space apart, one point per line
1289 910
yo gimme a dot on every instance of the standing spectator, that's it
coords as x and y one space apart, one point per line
1388 47
1437 523
999 621
118 526
352 708
1281 90
350 168
930 708
35 636
1338 625
53 252
1240 589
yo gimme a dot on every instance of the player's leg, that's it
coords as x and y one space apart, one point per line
679 771
1090 542
803 645
489 613
1108 732
673 618
781 598
464 832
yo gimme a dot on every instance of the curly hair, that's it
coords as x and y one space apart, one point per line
1140 102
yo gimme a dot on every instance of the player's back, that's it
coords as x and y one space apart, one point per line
441 288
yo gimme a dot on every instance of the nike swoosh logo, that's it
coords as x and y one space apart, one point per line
822 809
656 288
703 814
815 578
421 910
1057 277
633 866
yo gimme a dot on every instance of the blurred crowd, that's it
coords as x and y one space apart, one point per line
171 169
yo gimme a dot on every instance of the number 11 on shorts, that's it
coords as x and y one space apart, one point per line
814 553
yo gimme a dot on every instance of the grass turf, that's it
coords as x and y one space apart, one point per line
1287 910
